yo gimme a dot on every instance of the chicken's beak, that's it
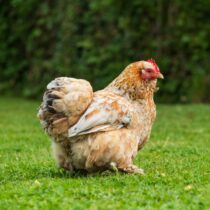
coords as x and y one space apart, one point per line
160 76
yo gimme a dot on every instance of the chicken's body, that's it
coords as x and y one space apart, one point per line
110 125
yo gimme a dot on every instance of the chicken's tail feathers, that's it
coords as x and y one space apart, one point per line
63 103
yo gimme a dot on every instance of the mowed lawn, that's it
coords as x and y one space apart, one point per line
176 161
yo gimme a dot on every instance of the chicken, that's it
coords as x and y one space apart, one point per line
105 129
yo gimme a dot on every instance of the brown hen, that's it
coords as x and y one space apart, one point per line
104 129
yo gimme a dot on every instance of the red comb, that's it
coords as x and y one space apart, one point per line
154 64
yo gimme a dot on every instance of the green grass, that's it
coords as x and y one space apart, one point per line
176 161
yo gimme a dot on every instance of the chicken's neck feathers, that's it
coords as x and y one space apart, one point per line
130 85
133 90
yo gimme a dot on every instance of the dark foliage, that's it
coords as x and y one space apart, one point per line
95 40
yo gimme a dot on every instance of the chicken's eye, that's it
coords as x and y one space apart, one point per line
149 70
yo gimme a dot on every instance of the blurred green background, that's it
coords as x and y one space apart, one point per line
95 40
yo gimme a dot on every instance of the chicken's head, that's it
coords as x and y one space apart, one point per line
150 70
138 80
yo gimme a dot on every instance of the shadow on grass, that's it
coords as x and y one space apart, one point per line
34 173
61 173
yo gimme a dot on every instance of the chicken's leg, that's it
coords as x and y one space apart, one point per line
131 169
